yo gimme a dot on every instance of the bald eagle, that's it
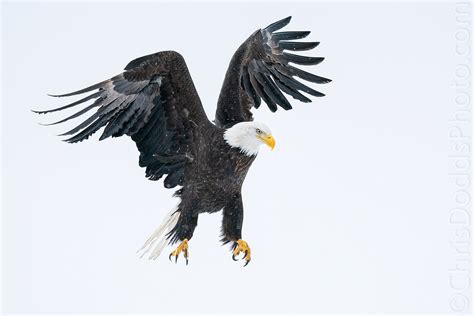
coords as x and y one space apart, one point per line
154 101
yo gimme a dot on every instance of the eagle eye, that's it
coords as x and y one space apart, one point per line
259 131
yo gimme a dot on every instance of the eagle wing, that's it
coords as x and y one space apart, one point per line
260 69
155 102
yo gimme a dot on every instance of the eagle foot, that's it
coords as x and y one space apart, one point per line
242 246
183 247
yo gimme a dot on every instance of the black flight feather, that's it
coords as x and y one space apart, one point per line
280 36
89 97
303 60
297 46
90 88
278 25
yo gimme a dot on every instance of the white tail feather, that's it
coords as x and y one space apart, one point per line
155 244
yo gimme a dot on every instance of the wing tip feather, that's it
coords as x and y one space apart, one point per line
278 24
54 95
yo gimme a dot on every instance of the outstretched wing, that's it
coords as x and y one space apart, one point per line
155 102
260 69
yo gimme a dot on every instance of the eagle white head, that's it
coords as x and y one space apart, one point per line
248 136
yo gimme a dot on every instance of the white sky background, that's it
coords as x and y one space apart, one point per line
348 214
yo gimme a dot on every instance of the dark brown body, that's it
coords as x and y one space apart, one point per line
216 184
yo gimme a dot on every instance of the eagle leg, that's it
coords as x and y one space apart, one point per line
183 247
242 246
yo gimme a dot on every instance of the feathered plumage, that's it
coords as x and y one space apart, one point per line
154 101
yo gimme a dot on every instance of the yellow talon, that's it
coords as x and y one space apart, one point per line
183 247
242 246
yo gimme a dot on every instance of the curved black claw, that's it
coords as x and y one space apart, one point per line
233 258
175 258
246 262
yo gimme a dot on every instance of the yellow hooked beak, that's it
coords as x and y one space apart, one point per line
269 140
